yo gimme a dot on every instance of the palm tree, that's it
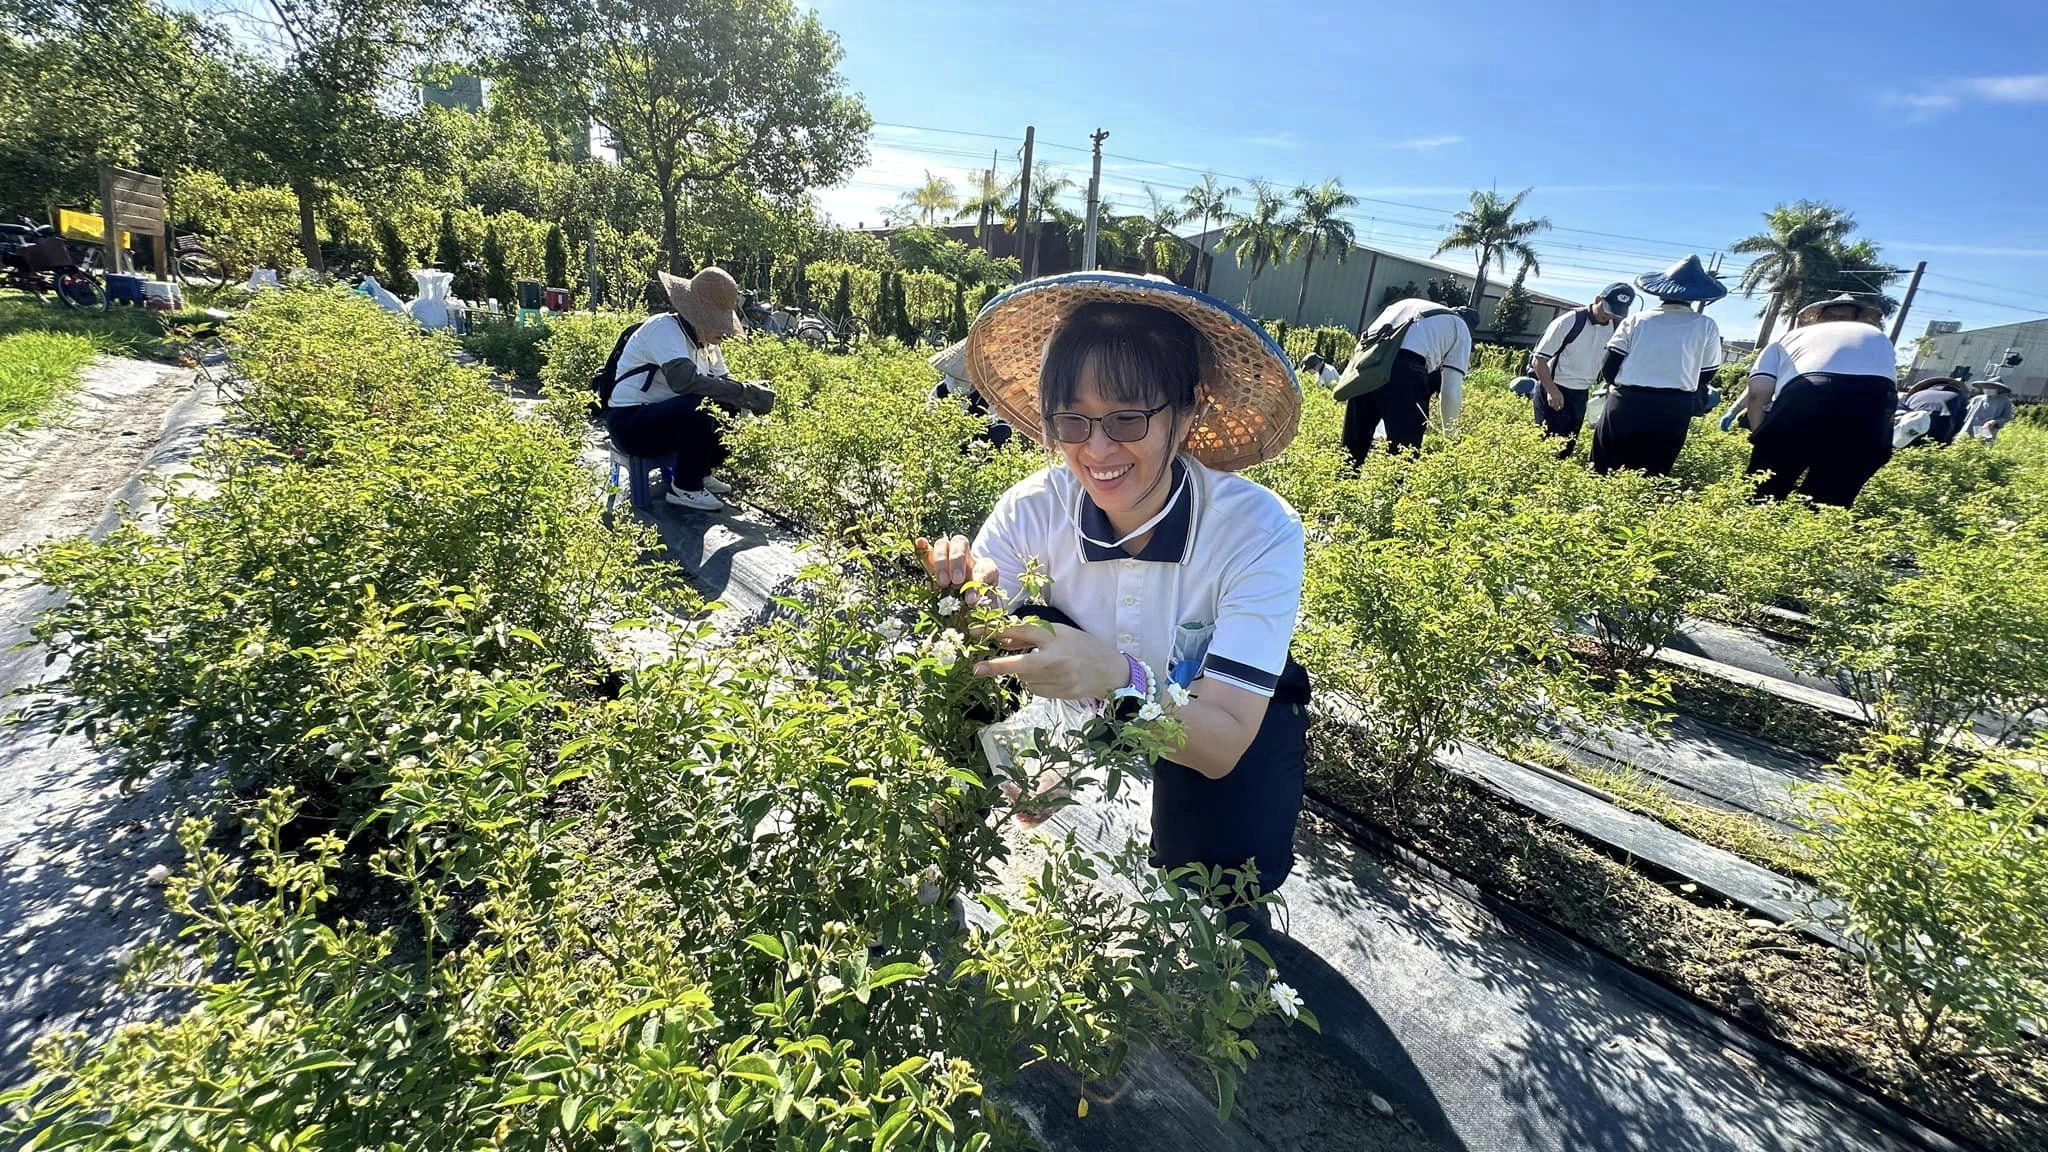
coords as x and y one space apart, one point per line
1797 250
1317 227
931 200
1257 237
1160 219
1489 228
992 198
1047 188
1209 201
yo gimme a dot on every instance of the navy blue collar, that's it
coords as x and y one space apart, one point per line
1169 542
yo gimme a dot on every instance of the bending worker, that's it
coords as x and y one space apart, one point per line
1831 387
1661 364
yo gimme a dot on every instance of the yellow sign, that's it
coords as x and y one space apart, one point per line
86 228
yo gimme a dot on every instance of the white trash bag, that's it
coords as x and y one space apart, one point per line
431 308
382 295
1909 426
260 279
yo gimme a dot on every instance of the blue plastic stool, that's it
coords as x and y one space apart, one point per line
124 289
638 491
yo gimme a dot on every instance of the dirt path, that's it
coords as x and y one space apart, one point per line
75 848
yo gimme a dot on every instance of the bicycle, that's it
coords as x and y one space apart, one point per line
194 264
34 259
820 332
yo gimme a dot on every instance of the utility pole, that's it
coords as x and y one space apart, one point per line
1094 202
988 208
1906 305
1027 228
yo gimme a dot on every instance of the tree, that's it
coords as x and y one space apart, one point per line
1490 229
957 329
1206 201
1511 315
1159 245
394 264
315 111
931 201
1317 227
991 199
1447 291
497 278
555 260
695 93
1257 238
1047 207
842 301
1795 254
1409 291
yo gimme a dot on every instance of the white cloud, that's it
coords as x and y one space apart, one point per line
1928 102
1424 143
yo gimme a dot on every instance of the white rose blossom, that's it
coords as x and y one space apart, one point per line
1288 1000
1151 711
1179 695
949 605
829 985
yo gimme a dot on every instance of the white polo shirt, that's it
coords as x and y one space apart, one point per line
657 341
1667 348
1843 347
1580 364
1229 554
1442 341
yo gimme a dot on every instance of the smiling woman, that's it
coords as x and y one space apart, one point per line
36 369
1170 574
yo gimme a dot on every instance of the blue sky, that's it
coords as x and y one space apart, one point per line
1647 130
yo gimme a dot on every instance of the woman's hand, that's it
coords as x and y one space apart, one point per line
1058 661
950 562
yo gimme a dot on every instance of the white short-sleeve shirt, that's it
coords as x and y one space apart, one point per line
657 341
1667 348
1580 363
1842 347
1443 341
1229 554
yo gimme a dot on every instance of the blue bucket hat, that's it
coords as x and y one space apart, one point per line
1686 282
1619 297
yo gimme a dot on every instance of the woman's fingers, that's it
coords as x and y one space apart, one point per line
949 560
1021 665
1024 635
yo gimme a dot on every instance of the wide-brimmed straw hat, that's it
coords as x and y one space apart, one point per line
710 301
1866 311
1686 282
1248 403
1936 382
1994 382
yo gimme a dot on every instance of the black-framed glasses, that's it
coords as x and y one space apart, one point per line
1125 426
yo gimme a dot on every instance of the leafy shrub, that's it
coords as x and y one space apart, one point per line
1938 868
508 347
856 447
394 262
1926 491
572 351
926 296
245 228
1961 639
1500 357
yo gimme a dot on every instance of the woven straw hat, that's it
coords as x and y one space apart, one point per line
1248 400
709 300
1866 311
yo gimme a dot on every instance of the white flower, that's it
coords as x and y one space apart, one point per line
1288 1000
830 986
159 873
252 649
949 605
1177 694
336 748
1151 711
890 629
928 886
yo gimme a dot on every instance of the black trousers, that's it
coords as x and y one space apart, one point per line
683 427
1826 435
1565 421
1643 428
1403 403
1249 814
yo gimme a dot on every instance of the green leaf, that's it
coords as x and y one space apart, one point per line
763 942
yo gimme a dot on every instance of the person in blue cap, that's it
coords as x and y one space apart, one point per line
1660 364
1568 360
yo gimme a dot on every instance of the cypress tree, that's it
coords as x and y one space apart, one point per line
957 330
842 304
555 260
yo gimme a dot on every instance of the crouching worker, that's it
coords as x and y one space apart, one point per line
1161 557
953 382
1822 402
670 378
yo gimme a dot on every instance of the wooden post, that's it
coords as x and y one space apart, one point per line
1906 305
1027 231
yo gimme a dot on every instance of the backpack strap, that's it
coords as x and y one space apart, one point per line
1580 318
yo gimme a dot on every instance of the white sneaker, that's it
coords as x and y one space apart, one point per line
698 501
715 486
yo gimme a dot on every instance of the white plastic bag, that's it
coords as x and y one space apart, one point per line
382 295
430 310
1909 426
260 279
1016 745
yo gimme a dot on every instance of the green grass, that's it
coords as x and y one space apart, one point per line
122 331
36 370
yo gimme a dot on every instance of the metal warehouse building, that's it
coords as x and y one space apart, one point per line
1984 350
